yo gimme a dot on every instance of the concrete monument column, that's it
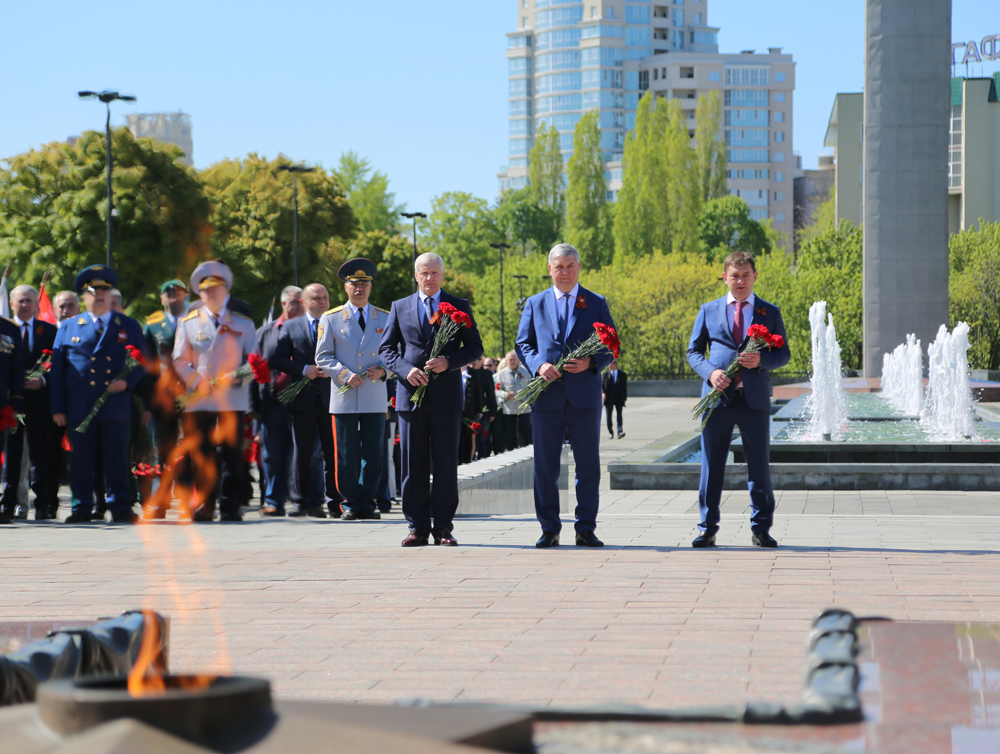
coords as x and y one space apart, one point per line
907 109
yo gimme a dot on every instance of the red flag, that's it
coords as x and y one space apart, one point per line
45 311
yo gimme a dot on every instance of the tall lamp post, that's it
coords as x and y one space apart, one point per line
521 300
503 339
295 170
107 98
413 216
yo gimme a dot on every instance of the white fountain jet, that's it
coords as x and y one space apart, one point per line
903 377
950 413
826 403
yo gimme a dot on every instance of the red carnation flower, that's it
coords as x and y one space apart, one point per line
261 371
777 341
46 352
46 365
759 332
475 426
396 442
608 338
446 309
392 401
462 319
135 354
8 420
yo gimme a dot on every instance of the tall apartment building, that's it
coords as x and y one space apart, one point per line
973 153
568 57
169 128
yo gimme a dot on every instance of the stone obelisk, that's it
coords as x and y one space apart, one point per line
907 110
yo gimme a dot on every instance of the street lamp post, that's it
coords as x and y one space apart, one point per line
107 98
521 300
413 216
295 170
503 339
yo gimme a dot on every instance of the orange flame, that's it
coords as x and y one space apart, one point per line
147 677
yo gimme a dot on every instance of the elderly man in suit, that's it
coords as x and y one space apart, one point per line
40 434
720 331
211 343
88 355
553 323
348 352
429 431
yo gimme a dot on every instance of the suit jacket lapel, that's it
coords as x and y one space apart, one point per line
353 326
724 319
573 311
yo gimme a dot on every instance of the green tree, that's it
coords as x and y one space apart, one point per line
824 218
641 214
53 214
392 254
373 205
974 290
252 216
545 175
725 226
487 298
683 181
710 150
587 226
461 228
523 222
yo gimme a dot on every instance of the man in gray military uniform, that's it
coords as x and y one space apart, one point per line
347 351
211 342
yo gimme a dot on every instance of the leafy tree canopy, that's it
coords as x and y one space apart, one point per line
373 205
460 229
725 226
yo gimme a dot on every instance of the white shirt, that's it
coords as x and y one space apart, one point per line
31 331
104 319
747 311
614 375
569 306
367 310
435 301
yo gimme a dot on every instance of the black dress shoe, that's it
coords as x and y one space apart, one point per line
446 540
374 516
124 517
232 516
704 540
384 507
43 514
316 513
5 519
763 539
79 517
350 516
588 539
548 539
204 514
335 511
413 539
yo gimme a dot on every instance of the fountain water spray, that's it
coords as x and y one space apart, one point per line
826 403
903 377
950 414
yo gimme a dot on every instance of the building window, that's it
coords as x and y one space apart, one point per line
677 17
779 217
746 76
678 2
697 19
746 137
746 155
677 39
758 214
593 11
713 76
656 74
779 156
524 22
743 118
524 3
779 117
637 36
779 96
779 196
637 14
779 135
779 76
779 177
745 97
643 80
609 12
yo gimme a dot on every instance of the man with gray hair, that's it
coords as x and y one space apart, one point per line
66 305
553 324
429 430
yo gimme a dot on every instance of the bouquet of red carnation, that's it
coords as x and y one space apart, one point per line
9 420
146 469
41 368
760 337
392 401
450 320
604 337
255 367
474 426
133 360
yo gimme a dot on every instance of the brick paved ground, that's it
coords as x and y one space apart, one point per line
337 610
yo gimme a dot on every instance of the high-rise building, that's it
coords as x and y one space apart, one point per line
568 57
169 128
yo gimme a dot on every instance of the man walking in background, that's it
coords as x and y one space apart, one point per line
614 386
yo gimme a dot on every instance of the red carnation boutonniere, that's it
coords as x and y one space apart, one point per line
762 311
581 302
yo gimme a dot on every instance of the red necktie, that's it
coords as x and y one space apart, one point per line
738 335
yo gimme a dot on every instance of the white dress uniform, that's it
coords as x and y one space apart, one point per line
204 351
342 349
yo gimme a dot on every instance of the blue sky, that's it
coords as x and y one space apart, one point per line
419 88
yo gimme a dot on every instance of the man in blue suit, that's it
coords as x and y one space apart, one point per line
720 331
429 431
553 323
88 356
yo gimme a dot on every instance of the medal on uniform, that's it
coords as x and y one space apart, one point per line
6 344
123 337
81 321
118 320
201 336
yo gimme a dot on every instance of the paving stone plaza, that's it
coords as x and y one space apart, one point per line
334 610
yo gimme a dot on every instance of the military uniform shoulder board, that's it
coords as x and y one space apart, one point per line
190 316
9 320
380 309
334 310
154 318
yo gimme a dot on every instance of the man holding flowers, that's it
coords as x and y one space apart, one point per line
736 341
566 338
97 360
429 337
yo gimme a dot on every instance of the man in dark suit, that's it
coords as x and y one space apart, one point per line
553 323
720 330
309 411
429 431
88 356
43 439
472 413
274 425
484 440
614 386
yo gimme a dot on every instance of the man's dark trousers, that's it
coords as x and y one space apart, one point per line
755 428
420 430
224 482
359 438
608 408
44 449
276 444
112 437
548 429
308 424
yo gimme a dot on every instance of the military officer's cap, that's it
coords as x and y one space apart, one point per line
95 276
173 284
354 270
210 274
